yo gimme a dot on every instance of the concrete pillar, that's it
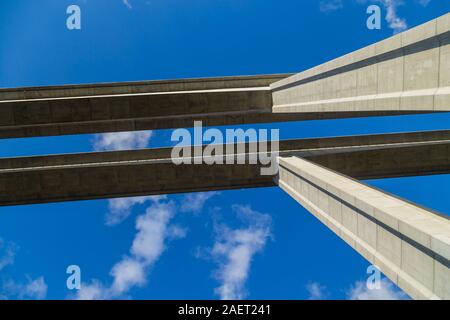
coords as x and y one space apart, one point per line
410 245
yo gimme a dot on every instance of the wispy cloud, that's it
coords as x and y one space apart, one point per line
194 202
120 208
8 252
127 3
316 291
330 5
234 250
93 291
424 2
148 245
153 231
30 290
394 21
387 291
360 291
12 289
121 140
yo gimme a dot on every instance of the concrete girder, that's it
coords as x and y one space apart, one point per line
85 176
78 109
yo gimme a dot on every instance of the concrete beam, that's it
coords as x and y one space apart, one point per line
85 176
389 162
130 106
407 72
410 244
79 109
76 109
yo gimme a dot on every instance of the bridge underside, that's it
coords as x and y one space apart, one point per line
406 74
80 109
71 177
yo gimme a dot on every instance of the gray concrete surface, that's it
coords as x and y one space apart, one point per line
85 176
407 72
410 244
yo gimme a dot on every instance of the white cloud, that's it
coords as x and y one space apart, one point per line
153 231
194 202
424 2
8 254
176 232
121 140
316 291
394 21
127 3
120 208
387 291
10 289
32 289
35 289
93 291
330 5
234 250
127 273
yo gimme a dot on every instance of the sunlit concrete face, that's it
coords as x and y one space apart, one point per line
409 71
410 245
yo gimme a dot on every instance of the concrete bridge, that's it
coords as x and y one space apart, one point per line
405 74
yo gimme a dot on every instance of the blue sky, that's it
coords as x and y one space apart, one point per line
196 248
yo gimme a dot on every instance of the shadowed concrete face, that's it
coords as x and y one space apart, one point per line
47 111
410 245
151 171
132 106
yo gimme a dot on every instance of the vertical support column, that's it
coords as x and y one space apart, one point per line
409 244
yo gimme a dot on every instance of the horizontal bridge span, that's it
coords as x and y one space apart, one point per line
133 106
309 147
85 176
404 74
129 106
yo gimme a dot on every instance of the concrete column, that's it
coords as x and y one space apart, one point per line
410 245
